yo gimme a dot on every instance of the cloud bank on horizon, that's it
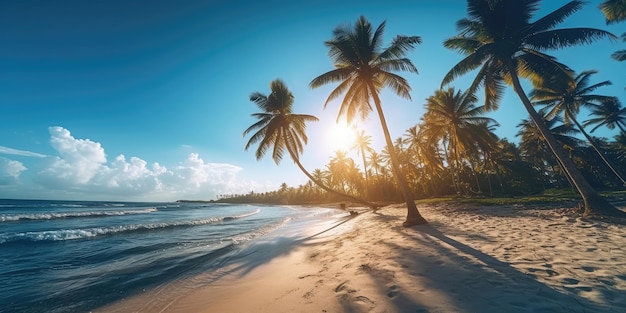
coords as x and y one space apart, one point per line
81 171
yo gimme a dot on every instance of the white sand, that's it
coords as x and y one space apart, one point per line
468 259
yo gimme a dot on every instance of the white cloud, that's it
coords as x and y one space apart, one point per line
82 168
10 171
7 150
79 160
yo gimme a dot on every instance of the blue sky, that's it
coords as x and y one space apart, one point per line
147 100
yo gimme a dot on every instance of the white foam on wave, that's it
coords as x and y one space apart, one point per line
72 234
55 215
246 237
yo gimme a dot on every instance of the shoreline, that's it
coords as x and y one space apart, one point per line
467 259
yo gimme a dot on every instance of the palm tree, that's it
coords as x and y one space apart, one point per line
533 144
279 129
362 144
376 162
501 42
453 117
362 70
609 114
568 97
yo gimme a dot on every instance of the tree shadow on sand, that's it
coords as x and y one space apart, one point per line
460 276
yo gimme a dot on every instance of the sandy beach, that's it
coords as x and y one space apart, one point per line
467 259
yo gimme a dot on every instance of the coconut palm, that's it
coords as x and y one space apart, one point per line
363 144
609 114
568 97
533 144
453 117
375 161
279 129
426 158
501 42
362 69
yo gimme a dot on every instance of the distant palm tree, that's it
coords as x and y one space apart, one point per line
568 97
376 162
453 117
533 144
609 114
501 42
362 70
363 144
425 157
279 129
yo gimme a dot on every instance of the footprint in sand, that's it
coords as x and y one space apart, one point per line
393 292
341 286
588 269
570 281
364 299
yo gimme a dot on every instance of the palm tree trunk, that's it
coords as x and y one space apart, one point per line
413 216
608 163
367 184
594 204
295 158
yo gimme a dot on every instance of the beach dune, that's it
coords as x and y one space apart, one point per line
467 259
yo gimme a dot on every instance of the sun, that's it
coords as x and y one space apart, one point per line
341 136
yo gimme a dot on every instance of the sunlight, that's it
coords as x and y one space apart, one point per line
341 136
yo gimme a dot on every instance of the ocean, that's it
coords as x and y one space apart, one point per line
75 256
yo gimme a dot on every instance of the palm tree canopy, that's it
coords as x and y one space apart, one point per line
363 68
568 97
277 128
533 142
613 10
500 32
609 114
453 116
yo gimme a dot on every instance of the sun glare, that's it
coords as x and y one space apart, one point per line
341 136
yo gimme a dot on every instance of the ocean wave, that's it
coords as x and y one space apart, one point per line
59 215
73 234
245 237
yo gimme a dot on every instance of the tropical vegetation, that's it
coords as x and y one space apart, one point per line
453 149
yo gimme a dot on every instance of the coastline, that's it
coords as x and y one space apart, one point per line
467 259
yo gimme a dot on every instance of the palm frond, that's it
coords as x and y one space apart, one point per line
494 91
332 76
404 65
397 83
466 45
619 55
399 47
555 17
468 64
566 37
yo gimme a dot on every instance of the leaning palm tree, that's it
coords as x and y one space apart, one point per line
609 114
501 42
362 70
279 129
568 97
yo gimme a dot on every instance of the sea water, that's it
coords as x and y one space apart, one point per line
74 256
